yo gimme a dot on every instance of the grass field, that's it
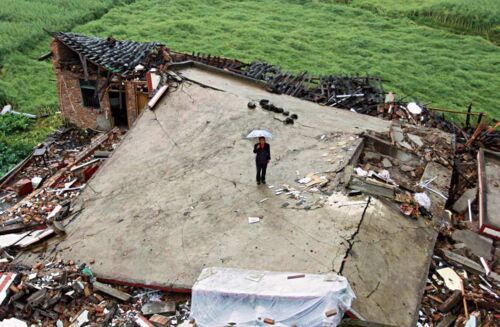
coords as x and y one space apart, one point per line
431 65
478 17
380 37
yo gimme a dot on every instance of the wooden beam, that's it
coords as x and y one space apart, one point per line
84 65
106 289
456 111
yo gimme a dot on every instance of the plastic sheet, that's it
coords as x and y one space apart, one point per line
423 200
247 297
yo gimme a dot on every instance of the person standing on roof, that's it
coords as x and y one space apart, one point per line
262 158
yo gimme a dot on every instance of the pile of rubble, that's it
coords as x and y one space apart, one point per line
63 293
461 287
67 155
37 204
357 93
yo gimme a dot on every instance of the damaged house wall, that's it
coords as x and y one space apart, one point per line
95 92
70 96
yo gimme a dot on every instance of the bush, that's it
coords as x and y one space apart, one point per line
11 123
11 154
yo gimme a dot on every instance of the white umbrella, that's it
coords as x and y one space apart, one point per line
256 133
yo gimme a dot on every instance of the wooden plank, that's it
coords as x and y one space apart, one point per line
13 172
15 228
53 180
469 264
106 289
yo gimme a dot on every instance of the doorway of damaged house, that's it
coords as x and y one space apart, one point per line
118 106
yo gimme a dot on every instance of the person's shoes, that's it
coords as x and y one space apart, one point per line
258 182
263 182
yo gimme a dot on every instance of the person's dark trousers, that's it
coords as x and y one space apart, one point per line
261 172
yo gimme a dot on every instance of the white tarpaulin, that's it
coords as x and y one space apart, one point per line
247 297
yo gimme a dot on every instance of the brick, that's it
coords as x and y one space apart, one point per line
23 187
89 172
269 321
159 320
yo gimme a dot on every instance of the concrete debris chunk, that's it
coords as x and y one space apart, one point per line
372 156
451 278
479 245
158 308
406 168
461 204
415 139
405 145
80 319
398 134
13 322
386 163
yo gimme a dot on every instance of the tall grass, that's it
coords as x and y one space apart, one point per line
22 21
434 66
476 17
481 17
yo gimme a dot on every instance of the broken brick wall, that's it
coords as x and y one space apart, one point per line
70 97
131 102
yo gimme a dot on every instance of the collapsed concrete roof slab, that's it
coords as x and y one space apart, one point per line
176 195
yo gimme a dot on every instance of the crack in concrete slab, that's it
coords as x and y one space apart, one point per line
351 241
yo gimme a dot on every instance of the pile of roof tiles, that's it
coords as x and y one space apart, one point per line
359 94
120 57
63 293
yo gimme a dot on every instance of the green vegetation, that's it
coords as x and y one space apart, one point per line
18 135
479 17
25 82
433 66
11 151
378 37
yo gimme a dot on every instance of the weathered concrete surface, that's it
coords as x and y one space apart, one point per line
175 197
462 203
388 266
479 245
438 179
492 178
